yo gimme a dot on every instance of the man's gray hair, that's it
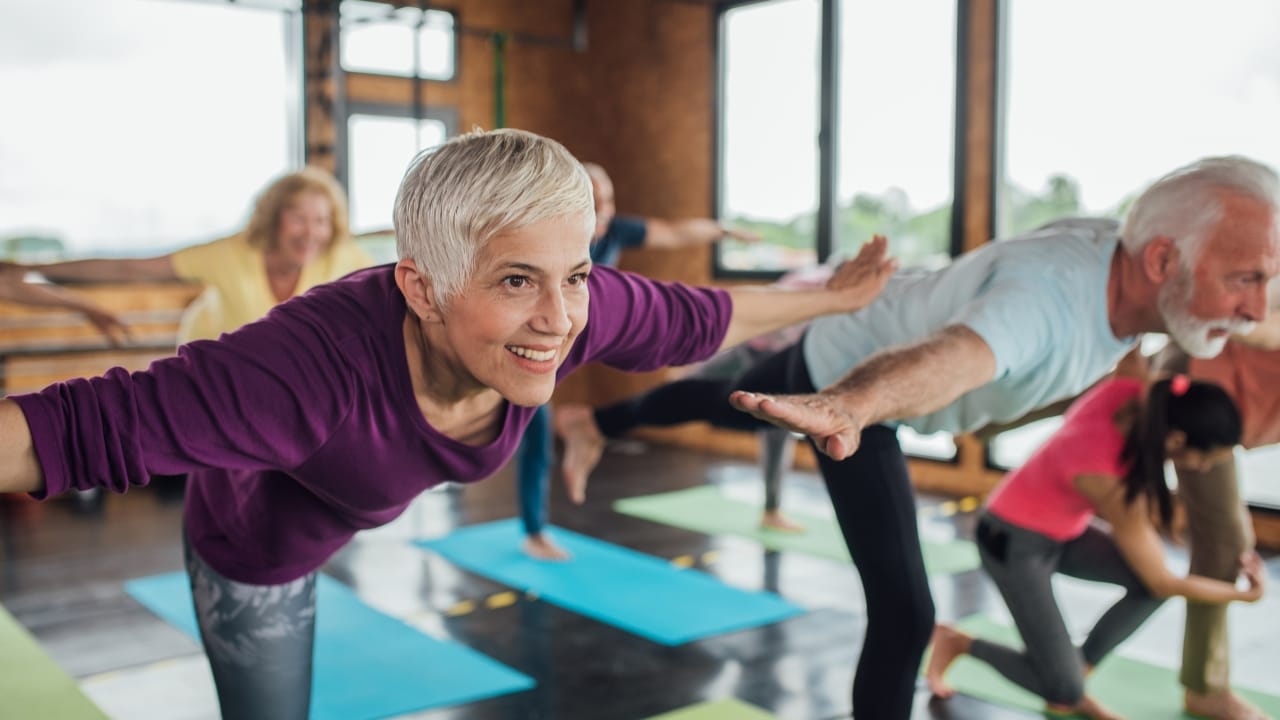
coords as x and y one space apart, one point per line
1187 204
455 197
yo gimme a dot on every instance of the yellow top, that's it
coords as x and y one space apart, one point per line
236 288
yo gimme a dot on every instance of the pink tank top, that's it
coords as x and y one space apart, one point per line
1041 495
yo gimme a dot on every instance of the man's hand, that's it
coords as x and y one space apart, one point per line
835 432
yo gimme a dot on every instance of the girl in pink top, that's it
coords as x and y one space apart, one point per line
1107 460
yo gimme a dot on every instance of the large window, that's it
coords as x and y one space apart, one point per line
1097 110
769 133
894 68
379 38
129 128
894 86
896 129
379 149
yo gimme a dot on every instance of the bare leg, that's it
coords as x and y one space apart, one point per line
777 450
948 644
583 446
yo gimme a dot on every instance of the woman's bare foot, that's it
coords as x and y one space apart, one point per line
948 644
540 547
1087 707
775 520
1224 705
575 425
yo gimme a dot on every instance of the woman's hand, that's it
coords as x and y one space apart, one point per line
15 288
1255 573
861 279
111 327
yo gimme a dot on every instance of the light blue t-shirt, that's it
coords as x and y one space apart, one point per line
1039 301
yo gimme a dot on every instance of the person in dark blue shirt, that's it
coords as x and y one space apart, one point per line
613 234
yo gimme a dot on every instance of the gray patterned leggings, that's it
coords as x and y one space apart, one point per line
258 639
1022 563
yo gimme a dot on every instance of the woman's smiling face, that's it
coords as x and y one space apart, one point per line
514 321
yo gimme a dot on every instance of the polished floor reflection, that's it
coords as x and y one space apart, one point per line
62 565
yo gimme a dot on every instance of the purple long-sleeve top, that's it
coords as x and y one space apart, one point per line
302 428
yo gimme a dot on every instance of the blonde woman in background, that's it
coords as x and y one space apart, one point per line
297 237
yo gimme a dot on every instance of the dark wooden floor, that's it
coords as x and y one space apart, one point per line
62 567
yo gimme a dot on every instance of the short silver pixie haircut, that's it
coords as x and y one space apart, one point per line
455 197
1186 204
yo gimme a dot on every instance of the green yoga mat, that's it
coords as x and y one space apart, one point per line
729 709
32 685
705 509
1129 687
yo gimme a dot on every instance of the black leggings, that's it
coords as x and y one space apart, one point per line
874 504
707 399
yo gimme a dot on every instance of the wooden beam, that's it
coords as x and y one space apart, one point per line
324 112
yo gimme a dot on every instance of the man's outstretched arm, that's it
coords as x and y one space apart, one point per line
894 384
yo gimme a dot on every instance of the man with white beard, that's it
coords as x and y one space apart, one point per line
1007 328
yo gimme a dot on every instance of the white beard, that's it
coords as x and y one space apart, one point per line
1188 331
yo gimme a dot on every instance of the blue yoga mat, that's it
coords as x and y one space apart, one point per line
629 590
367 665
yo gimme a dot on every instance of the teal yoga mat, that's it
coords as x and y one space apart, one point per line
633 591
32 685
367 664
705 509
1129 687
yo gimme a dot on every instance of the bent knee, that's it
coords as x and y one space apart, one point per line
1064 689
1060 692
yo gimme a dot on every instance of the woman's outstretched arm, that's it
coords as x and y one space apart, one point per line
19 470
1140 544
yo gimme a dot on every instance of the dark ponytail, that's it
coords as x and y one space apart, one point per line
1203 412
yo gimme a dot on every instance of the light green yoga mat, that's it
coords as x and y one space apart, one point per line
32 685
729 709
705 509
1131 688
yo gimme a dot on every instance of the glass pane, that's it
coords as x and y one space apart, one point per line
129 128
897 113
1010 449
379 38
769 133
1085 130
1084 135
1258 475
379 150
934 446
